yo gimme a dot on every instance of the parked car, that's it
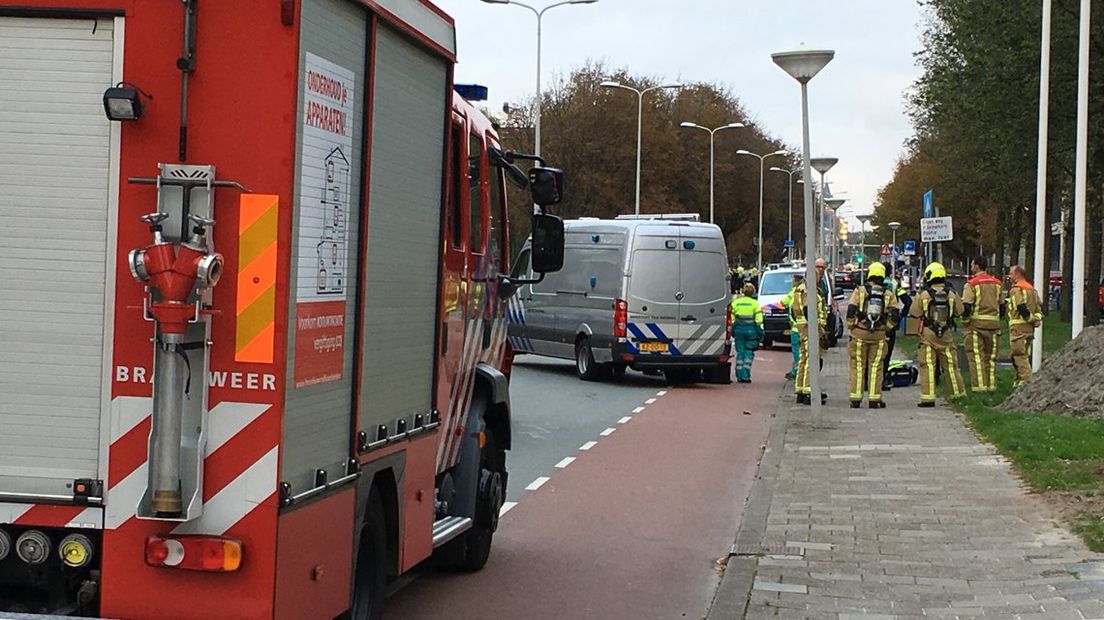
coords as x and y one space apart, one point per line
847 279
773 286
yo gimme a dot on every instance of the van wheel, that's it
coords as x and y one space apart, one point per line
370 583
585 366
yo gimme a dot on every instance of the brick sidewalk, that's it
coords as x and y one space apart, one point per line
899 513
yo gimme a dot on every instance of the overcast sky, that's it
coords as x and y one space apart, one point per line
856 104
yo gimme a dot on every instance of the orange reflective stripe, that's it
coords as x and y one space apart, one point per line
255 330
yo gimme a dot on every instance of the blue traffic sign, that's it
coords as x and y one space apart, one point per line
789 243
910 247
928 212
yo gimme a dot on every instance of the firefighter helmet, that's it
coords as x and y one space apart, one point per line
934 270
877 270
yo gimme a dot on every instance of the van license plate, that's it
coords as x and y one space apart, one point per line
653 347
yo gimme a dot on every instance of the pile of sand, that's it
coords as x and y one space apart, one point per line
1071 382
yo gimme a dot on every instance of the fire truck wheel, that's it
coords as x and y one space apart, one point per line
370 585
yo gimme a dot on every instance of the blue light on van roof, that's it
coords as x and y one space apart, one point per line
595 238
689 245
593 281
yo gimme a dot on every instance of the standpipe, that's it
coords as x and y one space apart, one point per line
173 272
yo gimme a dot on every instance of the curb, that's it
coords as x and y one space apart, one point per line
734 591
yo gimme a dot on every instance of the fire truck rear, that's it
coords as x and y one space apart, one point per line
252 330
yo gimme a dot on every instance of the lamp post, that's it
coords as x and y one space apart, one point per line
894 226
540 14
1041 174
712 133
831 246
822 165
639 118
762 163
1081 168
802 65
789 226
863 219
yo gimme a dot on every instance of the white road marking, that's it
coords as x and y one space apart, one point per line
607 432
661 392
638 410
565 462
506 506
624 419
536 484
588 445
649 401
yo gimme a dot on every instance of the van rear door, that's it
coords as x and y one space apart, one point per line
653 291
703 290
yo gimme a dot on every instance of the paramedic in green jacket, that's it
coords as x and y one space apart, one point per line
747 331
795 336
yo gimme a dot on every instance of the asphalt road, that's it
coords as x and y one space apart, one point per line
628 493
555 413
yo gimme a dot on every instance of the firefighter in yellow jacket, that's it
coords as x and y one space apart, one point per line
1024 315
981 301
871 311
800 322
937 306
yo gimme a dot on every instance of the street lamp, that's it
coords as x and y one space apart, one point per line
789 226
1041 173
802 65
639 118
831 246
863 219
540 14
894 226
762 162
822 165
712 133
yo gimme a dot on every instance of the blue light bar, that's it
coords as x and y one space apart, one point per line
471 92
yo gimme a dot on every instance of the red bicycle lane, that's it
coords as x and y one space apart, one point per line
632 527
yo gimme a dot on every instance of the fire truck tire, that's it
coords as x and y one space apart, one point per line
470 551
370 584
585 366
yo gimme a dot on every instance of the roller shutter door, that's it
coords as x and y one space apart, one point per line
403 227
55 160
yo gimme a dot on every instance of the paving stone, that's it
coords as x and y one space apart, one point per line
905 514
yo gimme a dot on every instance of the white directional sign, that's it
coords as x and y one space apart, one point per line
936 229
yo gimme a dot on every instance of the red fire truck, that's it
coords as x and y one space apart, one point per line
252 330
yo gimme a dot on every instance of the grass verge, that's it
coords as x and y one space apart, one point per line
1061 458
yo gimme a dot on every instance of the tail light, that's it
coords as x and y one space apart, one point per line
728 324
203 553
620 318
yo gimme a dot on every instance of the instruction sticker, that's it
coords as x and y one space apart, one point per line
324 202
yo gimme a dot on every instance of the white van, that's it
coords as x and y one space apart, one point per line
646 294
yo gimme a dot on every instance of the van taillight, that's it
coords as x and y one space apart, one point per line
728 324
620 318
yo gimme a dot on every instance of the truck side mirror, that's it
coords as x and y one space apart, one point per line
547 187
548 243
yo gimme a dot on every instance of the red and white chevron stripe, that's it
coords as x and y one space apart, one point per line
448 450
239 470
50 515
